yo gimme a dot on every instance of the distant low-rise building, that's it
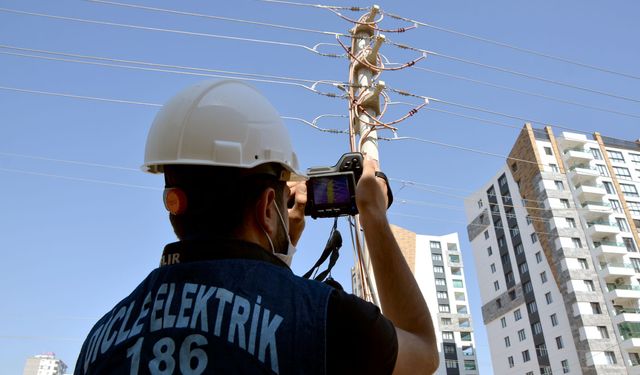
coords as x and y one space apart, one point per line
44 364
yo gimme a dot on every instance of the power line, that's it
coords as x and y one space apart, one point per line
221 18
81 179
513 72
181 32
560 100
354 9
246 77
84 163
510 46
79 96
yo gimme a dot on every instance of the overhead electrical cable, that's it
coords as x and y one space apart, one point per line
221 18
510 46
181 32
513 72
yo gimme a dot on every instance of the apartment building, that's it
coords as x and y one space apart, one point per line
554 236
44 364
436 262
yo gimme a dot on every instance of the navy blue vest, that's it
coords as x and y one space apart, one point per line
222 316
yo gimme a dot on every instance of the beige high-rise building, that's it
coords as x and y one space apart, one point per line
555 243
44 364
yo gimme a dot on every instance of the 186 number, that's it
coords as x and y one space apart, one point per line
164 363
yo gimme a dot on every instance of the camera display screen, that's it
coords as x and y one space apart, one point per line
333 190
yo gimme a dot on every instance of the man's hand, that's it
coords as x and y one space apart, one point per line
371 192
298 197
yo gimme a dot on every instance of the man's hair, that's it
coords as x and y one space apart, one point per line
218 198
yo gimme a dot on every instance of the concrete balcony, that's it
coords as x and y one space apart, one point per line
622 293
578 155
612 271
596 209
569 140
632 343
626 316
580 174
610 248
599 230
588 193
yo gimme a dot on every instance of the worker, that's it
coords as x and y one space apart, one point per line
224 300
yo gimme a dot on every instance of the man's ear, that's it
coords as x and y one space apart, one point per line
266 215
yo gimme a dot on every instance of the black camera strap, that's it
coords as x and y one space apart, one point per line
331 251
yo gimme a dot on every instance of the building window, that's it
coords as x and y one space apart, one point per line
543 276
634 208
596 154
447 335
486 234
523 268
532 307
565 203
469 365
554 168
527 287
510 361
449 348
635 359
559 185
465 336
454 258
444 308
565 366
554 320
507 342
504 258
588 284
445 321
536 328
522 335
595 308
498 303
602 330
436 257
615 205
442 295
516 315
534 238
629 190
451 363
489 251
458 283
441 282
435 245
529 221
622 224
525 356
496 285
611 358
622 173
548 298
503 322
547 151
583 263
480 204
571 222
519 249
559 342
577 243
542 350
615 156
510 279
501 242
635 158
608 186
538 257
628 243
603 170
438 269
502 180
493 268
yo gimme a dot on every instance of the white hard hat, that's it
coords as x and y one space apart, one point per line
219 123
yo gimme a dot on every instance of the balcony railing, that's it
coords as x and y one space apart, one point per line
627 311
612 287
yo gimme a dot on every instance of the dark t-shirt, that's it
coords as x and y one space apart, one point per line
358 338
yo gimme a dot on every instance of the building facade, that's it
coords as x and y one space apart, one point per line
436 263
44 364
554 236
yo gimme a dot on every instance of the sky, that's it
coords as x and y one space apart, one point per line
83 225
